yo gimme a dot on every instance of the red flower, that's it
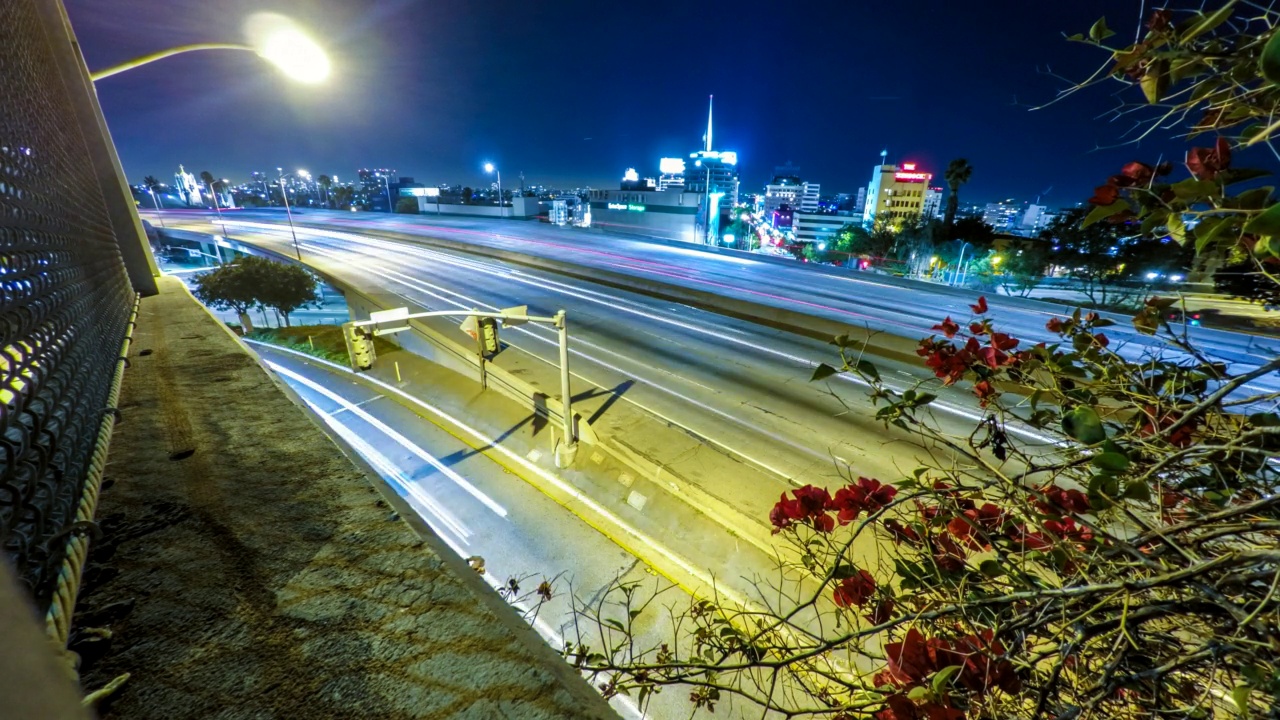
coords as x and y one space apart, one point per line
910 661
1139 173
993 357
987 518
855 591
1206 163
981 306
881 613
985 392
808 507
898 707
1031 540
1058 501
947 327
1105 195
978 328
1054 325
1001 341
1102 340
948 554
1067 529
1160 20
901 532
982 667
866 494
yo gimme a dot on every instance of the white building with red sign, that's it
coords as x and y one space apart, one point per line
896 192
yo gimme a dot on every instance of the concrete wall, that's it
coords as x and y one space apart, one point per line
520 207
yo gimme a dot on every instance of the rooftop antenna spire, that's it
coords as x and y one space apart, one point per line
711 99
884 156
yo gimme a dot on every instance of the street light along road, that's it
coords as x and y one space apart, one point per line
272 37
489 168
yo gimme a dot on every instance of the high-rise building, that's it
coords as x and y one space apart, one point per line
860 202
713 175
896 192
187 187
1004 216
375 187
932 204
1035 219
810 192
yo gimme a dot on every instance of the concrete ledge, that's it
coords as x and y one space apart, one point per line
249 569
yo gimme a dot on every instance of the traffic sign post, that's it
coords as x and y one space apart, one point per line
483 327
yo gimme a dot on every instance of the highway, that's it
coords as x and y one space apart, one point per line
742 387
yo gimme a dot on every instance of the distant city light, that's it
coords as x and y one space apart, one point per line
631 175
1152 275
729 238
1176 278
671 166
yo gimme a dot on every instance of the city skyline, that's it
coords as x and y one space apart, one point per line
574 94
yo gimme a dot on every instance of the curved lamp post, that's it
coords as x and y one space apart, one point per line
272 37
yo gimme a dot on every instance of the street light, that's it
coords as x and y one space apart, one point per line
284 195
272 37
387 184
960 264
154 199
489 168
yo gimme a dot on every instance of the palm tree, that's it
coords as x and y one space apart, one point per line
206 177
325 182
151 183
958 173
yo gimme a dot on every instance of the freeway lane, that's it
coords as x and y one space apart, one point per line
896 306
740 386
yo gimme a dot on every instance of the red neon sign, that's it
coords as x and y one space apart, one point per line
913 177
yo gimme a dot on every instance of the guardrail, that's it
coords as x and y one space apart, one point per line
65 300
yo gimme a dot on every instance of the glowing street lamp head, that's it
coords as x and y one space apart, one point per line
280 41
488 167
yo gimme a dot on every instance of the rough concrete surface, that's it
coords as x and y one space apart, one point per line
249 570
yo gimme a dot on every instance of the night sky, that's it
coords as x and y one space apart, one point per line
575 91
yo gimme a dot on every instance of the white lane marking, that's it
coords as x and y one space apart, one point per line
561 486
392 473
362 403
403 441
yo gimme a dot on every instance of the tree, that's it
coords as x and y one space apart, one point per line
343 197
151 183
284 287
467 195
1248 280
407 205
1102 544
325 182
230 287
252 281
1093 255
1022 270
958 172
207 178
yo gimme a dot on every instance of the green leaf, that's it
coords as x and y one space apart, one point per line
866 367
1254 199
924 399
1240 695
1267 246
1137 491
1211 21
942 678
1177 228
1084 425
1209 229
1078 37
1205 88
1232 176
1102 212
1111 462
1100 31
1264 419
822 372
1154 220
918 693
991 568
844 570
1193 189
1155 82
1266 223
1269 63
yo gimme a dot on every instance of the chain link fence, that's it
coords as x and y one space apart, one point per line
65 300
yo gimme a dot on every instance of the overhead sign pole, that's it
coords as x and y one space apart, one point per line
474 325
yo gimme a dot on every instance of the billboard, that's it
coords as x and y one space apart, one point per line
671 166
